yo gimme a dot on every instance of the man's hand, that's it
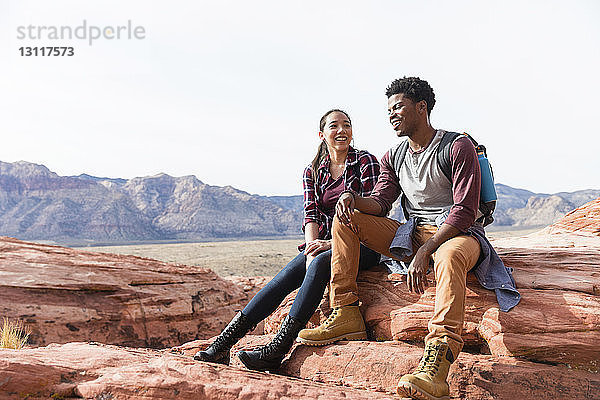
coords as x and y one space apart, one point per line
316 247
345 207
417 272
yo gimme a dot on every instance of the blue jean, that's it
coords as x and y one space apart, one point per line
311 281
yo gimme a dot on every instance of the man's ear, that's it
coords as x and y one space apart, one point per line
422 106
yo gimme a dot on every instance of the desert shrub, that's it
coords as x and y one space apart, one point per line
13 335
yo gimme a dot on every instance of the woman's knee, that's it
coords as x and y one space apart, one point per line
320 266
321 260
294 270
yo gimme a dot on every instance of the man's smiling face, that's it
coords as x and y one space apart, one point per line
403 114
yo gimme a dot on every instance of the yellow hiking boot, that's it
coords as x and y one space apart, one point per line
345 322
428 381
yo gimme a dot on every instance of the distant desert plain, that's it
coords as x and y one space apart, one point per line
236 258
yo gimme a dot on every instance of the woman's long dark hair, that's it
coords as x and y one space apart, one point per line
322 150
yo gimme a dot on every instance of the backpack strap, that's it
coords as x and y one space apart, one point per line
397 155
444 153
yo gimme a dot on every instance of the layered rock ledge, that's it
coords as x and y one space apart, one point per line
97 371
66 295
377 366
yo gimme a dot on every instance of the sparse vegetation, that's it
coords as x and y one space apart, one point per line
13 335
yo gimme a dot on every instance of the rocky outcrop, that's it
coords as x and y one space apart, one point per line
96 371
535 329
377 366
522 208
557 320
584 220
67 295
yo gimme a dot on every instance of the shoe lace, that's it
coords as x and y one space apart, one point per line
223 339
230 334
430 363
278 341
331 317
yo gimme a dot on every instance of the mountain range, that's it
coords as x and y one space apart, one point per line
38 204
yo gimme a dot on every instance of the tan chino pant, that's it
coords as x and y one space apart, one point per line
452 260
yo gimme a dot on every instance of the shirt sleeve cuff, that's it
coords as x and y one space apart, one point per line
462 223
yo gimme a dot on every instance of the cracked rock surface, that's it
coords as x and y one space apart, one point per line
66 295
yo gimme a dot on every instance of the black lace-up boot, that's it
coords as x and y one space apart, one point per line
218 351
269 356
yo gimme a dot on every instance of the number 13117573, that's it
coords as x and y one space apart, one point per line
47 51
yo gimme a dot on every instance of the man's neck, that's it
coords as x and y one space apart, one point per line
421 138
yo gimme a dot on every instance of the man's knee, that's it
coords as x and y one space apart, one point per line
461 254
339 226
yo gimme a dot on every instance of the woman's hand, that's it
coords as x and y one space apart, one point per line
345 207
316 247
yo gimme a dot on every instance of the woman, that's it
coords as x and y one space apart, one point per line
339 168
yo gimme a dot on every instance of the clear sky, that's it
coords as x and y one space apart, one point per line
232 91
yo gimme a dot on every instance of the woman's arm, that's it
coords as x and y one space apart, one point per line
314 245
311 232
311 213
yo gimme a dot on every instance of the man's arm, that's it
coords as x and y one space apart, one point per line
466 185
386 191
416 279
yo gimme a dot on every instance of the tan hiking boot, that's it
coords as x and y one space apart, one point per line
345 322
428 381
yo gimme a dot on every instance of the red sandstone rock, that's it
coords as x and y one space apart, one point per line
584 220
379 365
74 295
68 295
557 326
555 269
90 371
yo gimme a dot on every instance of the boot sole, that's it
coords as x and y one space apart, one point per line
219 360
261 366
407 389
347 336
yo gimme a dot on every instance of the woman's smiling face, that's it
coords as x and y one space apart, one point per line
337 132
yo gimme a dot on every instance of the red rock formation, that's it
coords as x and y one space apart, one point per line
68 295
584 220
561 325
95 371
377 366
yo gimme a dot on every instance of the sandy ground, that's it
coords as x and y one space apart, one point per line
245 258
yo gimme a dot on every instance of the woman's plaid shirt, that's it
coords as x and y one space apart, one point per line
360 177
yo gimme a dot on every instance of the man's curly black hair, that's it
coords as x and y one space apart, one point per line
415 89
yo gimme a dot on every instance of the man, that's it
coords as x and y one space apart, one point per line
443 207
